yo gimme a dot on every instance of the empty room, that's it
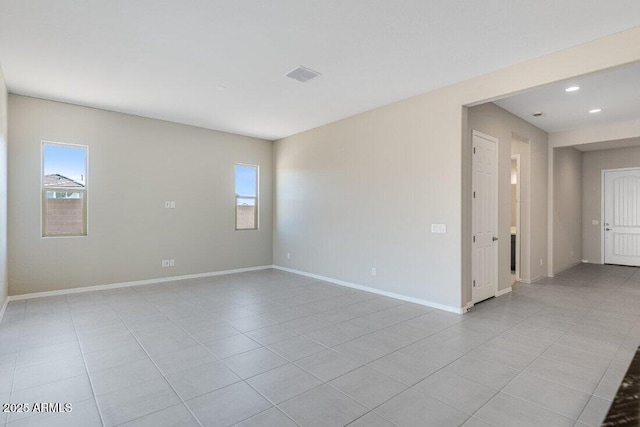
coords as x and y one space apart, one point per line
318 213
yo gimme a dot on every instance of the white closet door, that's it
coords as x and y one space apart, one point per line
485 217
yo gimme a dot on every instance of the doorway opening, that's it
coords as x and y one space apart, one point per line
515 219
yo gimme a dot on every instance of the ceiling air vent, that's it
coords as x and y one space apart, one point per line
302 74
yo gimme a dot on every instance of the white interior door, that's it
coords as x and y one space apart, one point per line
485 217
622 217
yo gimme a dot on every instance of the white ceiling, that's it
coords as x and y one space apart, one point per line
164 59
615 91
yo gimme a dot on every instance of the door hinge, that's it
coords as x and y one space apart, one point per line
474 194
474 150
474 239
474 283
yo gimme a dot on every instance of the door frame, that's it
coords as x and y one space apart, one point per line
496 187
602 207
516 157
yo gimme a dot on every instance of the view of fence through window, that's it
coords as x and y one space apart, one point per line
64 192
246 197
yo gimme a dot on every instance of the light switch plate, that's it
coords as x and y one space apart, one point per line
594 222
439 228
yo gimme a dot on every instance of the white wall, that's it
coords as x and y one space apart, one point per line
512 132
593 162
344 188
135 164
567 208
3 192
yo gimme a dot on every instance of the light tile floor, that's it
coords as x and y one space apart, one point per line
269 348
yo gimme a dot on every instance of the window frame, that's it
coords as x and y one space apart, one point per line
44 190
255 198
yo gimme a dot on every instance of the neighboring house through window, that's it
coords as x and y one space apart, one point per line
246 182
64 190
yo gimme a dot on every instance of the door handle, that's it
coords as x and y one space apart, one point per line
607 229
495 238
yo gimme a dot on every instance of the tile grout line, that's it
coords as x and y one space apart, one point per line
156 366
637 322
15 367
590 308
520 373
84 361
293 363
20 344
396 350
243 380
523 371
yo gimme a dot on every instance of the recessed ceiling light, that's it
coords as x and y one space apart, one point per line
221 88
595 110
537 114
572 88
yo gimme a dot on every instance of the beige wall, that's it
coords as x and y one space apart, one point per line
3 191
362 193
567 208
512 132
135 164
408 151
593 162
596 134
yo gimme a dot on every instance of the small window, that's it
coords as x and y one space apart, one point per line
64 190
246 197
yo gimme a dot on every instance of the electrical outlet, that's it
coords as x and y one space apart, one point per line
374 271
540 261
172 263
167 204
595 222
571 253
173 204
288 255
165 263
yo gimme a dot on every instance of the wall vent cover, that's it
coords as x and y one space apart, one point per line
302 74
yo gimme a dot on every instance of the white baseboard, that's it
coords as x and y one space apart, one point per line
458 310
585 261
133 283
467 307
504 291
470 305
4 308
